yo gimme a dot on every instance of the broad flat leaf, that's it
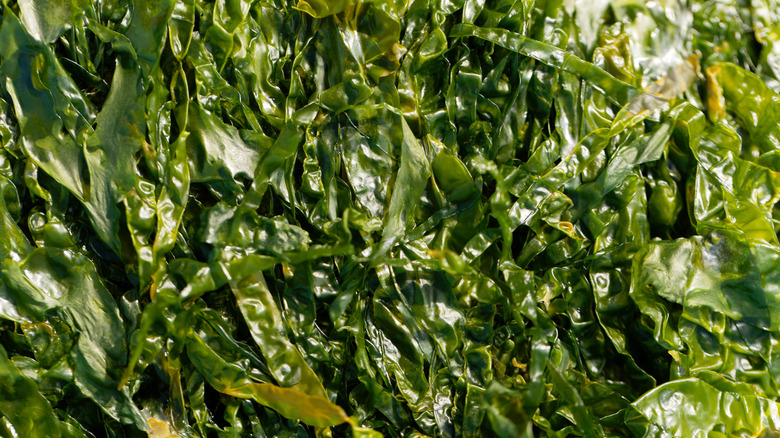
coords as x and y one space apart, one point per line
389 218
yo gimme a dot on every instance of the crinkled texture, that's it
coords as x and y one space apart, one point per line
343 218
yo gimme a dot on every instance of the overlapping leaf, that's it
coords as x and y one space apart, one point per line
334 218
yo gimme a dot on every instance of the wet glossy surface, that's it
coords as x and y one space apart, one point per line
426 218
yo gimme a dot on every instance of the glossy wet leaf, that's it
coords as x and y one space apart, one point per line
341 218
694 407
23 406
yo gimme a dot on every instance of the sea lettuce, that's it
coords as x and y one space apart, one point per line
455 218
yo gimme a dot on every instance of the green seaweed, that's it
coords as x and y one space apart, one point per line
453 218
